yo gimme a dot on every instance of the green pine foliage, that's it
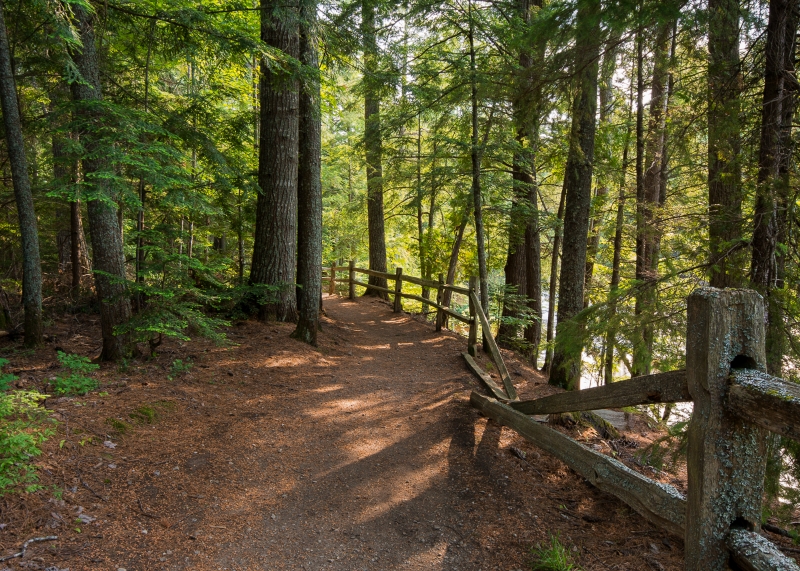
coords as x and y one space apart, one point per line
77 381
24 425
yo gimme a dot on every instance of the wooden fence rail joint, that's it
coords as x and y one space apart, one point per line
753 552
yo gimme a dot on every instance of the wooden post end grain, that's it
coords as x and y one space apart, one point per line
726 454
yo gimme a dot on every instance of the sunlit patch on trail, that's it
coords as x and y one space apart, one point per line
328 389
431 558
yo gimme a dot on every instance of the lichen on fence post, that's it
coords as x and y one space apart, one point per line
726 455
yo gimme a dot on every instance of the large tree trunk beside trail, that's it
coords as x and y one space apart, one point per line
771 193
725 191
274 248
31 263
566 366
373 146
309 186
109 259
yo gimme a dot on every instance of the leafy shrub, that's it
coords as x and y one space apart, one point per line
5 378
178 368
76 383
23 427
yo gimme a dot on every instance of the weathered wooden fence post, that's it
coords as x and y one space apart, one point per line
726 455
352 268
472 340
398 288
332 281
439 300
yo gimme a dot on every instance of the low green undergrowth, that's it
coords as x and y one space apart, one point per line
554 557
24 425
76 382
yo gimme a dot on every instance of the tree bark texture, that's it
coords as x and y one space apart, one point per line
452 265
611 334
71 239
274 248
309 186
725 192
109 259
373 145
764 264
566 366
606 93
648 238
475 156
523 265
31 263
551 302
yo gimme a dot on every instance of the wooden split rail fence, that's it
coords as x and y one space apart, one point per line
736 406
442 312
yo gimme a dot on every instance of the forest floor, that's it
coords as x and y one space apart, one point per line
363 453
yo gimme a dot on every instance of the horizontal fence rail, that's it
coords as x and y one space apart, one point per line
767 401
658 503
649 389
442 312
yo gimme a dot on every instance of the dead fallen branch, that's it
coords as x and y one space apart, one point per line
25 546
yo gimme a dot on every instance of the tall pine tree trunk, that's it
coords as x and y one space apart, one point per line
475 156
770 196
566 367
274 248
606 94
558 234
515 259
373 145
452 265
648 200
309 186
109 259
65 171
611 334
523 266
31 263
725 192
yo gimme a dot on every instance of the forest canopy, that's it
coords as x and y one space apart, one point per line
172 165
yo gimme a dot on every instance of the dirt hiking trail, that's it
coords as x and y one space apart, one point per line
362 454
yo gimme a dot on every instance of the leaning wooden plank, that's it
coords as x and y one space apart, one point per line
753 552
456 315
661 387
421 281
376 274
493 349
484 377
659 503
767 401
378 288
